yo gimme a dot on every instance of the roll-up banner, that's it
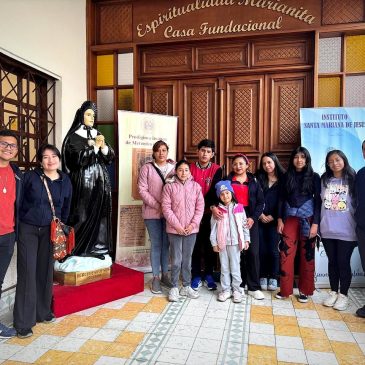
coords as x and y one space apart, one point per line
137 134
323 130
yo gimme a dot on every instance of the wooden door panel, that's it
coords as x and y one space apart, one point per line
198 103
244 114
159 97
287 93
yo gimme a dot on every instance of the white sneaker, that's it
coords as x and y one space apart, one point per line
331 299
273 284
263 283
173 295
224 295
256 294
342 302
237 296
187 291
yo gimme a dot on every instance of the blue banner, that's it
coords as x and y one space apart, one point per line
323 130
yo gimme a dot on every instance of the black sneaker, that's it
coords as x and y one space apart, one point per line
361 312
24 332
49 319
302 298
280 296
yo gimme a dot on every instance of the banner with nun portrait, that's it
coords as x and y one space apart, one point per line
137 134
323 130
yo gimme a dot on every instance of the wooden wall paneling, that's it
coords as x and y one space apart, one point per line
287 93
342 11
222 57
198 112
159 97
279 52
166 61
114 23
315 69
244 115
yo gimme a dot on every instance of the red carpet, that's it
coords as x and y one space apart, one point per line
71 299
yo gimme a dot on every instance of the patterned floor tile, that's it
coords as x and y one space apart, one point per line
109 360
321 358
174 356
287 330
147 329
8 350
70 344
261 339
317 344
80 358
131 338
258 351
292 321
343 336
262 318
95 347
199 358
291 355
289 342
54 357
261 328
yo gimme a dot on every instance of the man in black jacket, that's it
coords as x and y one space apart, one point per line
10 192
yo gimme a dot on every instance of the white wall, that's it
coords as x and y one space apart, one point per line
51 34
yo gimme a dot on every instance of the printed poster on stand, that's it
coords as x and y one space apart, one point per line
137 134
323 130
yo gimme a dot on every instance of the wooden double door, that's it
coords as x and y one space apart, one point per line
250 113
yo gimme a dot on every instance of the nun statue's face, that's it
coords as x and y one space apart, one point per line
89 116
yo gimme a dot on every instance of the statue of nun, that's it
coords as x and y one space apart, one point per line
85 154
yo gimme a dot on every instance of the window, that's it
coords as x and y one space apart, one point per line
114 91
341 71
27 106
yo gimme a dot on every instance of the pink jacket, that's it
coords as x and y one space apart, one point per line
220 228
150 187
182 204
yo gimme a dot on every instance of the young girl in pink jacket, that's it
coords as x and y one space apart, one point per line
183 208
229 236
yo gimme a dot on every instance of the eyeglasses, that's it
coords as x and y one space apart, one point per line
5 145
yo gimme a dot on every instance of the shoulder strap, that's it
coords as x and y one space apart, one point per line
159 172
49 196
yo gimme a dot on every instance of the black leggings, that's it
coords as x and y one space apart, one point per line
339 267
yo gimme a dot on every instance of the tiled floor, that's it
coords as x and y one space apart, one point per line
146 329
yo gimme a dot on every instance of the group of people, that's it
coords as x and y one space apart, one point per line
81 197
191 211
258 224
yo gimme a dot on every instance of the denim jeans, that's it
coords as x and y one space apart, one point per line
7 242
159 254
181 251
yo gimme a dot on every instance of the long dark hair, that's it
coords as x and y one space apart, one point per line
307 187
348 173
261 174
